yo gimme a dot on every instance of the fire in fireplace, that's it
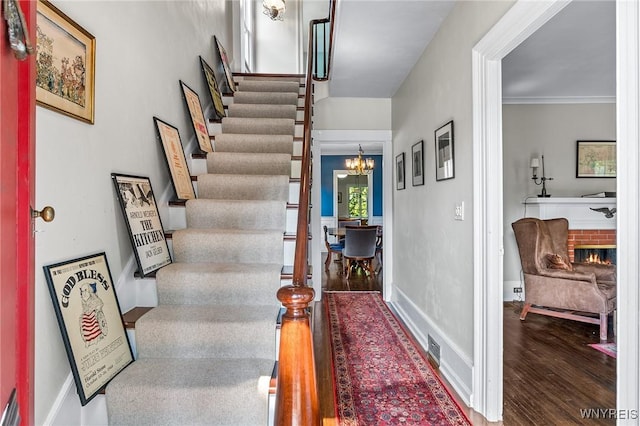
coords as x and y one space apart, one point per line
595 254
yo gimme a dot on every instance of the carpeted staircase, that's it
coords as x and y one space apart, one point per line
203 351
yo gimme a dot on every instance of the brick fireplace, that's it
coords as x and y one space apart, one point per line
602 239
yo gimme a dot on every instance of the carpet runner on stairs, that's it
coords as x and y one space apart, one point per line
203 352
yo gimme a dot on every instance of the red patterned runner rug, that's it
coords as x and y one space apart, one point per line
381 378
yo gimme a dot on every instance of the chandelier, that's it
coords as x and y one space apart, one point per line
274 9
358 165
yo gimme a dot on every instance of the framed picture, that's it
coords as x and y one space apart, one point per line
224 60
214 90
400 171
340 197
174 154
65 64
444 152
596 159
198 122
90 320
417 164
143 222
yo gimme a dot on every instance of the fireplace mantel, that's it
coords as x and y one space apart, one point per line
576 209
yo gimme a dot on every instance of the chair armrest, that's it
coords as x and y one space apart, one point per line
602 272
569 275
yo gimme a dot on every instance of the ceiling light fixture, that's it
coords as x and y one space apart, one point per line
358 165
274 9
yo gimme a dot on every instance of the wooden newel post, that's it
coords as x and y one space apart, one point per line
296 392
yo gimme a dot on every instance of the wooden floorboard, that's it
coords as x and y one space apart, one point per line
550 373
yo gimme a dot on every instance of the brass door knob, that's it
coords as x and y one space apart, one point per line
47 214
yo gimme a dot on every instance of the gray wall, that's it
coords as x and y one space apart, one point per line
434 270
550 130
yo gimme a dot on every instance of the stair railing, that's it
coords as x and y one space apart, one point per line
296 390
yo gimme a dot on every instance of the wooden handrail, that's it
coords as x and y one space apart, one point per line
296 394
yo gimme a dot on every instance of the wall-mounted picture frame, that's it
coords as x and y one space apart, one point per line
214 89
340 197
90 321
224 60
417 164
198 122
65 64
169 138
400 175
596 159
140 212
445 166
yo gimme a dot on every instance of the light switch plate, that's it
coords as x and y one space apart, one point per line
459 211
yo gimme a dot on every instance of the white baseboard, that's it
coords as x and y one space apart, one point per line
455 366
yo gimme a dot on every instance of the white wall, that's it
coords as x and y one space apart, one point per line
550 130
352 114
279 43
433 272
143 49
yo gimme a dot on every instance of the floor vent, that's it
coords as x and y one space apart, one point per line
434 349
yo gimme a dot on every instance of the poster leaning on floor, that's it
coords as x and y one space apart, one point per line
90 321
140 211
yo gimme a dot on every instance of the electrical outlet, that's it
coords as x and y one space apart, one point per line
517 289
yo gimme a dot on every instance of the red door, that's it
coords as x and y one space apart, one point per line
17 112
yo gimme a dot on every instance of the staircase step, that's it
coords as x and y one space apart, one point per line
236 214
248 163
224 331
243 187
218 283
229 142
265 126
190 392
268 86
276 98
262 111
226 246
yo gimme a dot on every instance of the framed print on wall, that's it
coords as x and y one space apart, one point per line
214 89
90 321
65 64
444 152
140 212
224 60
400 171
174 154
417 164
199 124
596 159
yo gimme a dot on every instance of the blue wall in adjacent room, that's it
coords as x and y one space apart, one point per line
329 163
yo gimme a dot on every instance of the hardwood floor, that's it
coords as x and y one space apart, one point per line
550 373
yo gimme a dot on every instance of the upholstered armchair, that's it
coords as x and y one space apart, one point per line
557 287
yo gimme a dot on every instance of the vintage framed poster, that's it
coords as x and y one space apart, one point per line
596 159
140 212
445 168
214 89
224 60
174 154
417 164
198 122
65 64
90 320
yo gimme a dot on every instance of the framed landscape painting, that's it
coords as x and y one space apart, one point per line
198 122
214 89
174 154
140 212
65 64
596 159
90 321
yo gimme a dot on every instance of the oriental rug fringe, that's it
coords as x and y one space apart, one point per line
381 377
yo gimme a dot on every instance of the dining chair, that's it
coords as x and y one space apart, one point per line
359 248
331 248
350 222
